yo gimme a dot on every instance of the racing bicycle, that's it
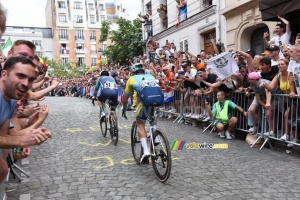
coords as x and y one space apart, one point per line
108 121
159 148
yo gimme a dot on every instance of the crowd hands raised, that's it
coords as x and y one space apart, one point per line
275 71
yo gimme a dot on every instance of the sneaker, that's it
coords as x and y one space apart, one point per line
228 136
195 116
251 129
206 119
291 144
269 134
10 187
173 110
201 116
145 158
254 130
189 115
222 134
169 116
285 137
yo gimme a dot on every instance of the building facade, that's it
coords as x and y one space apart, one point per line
76 28
244 25
41 37
203 23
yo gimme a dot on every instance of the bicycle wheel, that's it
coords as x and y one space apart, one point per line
161 157
103 126
114 131
136 146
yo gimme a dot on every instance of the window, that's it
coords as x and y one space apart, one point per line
94 61
207 3
2 42
102 19
103 47
183 44
80 46
78 19
91 6
80 61
36 42
79 35
63 34
64 60
93 35
93 49
101 7
62 18
64 49
61 4
9 28
92 18
77 5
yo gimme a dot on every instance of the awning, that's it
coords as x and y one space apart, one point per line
270 9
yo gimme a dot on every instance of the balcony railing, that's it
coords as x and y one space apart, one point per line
63 37
80 51
93 38
79 37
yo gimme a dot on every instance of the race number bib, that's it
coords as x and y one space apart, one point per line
110 85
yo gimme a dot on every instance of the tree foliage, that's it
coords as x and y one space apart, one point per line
127 41
65 70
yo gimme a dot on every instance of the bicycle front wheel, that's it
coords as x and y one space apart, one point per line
114 131
161 156
103 126
136 146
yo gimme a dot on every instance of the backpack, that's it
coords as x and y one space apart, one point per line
151 94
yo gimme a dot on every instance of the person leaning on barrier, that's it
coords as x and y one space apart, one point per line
224 121
286 84
263 98
17 77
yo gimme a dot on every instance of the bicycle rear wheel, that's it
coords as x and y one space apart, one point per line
103 126
161 157
114 131
136 146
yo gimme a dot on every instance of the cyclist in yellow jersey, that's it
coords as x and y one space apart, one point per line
135 83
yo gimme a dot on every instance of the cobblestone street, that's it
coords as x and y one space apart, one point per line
79 163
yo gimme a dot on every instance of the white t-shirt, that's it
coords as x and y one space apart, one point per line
273 62
285 39
192 74
294 67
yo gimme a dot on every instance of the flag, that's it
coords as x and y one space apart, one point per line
168 96
223 65
6 47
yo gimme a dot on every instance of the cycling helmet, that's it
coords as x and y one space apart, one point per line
138 68
104 73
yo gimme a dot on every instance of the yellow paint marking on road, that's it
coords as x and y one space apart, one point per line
109 160
74 130
96 144
94 128
126 141
129 161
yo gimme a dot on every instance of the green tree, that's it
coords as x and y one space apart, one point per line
64 70
127 41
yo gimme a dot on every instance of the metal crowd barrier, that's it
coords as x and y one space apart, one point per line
284 111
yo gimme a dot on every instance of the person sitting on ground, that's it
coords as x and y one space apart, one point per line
224 120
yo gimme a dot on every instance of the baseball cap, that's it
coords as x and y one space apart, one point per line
251 52
273 48
254 75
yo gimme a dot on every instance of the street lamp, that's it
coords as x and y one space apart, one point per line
148 27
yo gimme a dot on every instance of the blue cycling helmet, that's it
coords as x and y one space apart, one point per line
104 73
138 68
